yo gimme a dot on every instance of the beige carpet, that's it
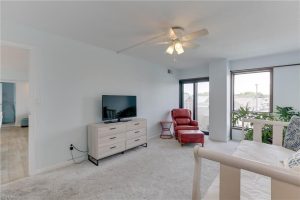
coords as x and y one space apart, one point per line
14 153
163 170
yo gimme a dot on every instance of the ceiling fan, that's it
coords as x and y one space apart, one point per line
175 39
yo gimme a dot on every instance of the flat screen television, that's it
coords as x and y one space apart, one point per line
118 107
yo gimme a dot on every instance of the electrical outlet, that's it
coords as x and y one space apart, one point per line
71 147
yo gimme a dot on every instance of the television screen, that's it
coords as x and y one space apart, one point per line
118 107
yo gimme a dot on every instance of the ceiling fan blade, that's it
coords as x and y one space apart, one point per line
163 43
190 45
172 34
195 35
141 43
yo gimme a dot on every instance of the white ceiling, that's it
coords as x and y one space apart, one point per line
236 29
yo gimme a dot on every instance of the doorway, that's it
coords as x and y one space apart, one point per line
8 105
14 85
194 95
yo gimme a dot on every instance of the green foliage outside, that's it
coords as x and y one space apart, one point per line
285 113
281 114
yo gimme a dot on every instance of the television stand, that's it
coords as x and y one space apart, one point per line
109 139
125 120
117 121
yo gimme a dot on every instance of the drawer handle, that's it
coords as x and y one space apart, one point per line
112 138
136 140
137 124
136 131
113 147
112 128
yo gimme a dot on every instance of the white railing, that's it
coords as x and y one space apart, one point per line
258 124
285 184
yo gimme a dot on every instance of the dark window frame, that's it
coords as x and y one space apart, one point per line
249 71
194 81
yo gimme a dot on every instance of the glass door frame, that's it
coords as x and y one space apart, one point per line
195 82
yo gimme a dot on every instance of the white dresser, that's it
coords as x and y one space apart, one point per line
108 139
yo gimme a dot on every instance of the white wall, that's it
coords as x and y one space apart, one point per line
199 72
219 100
14 63
70 78
286 88
266 61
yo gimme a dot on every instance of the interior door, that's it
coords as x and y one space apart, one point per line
8 103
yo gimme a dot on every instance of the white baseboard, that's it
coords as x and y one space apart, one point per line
78 159
60 165
153 136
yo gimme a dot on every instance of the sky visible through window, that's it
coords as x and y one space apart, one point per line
248 82
243 83
204 87
252 90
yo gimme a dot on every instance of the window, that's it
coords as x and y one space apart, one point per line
194 95
252 91
188 96
203 105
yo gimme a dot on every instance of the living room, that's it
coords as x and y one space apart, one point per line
90 49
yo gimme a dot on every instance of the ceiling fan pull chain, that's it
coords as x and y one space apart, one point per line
174 58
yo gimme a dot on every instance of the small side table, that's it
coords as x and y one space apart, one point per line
166 130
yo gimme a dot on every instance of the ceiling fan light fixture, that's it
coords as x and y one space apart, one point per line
178 48
170 49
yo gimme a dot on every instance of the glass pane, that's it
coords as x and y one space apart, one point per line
188 96
203 105
252 90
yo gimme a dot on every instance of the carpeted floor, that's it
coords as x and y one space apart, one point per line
163 170
13 153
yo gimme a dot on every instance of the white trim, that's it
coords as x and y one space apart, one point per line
70 162
60 165
153 136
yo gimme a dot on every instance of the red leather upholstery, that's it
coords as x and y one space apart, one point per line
190 136
182 120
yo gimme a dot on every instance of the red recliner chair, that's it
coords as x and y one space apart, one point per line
182 120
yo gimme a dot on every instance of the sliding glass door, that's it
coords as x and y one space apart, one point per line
203 105
188 96
194 95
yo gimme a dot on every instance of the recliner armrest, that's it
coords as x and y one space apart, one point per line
194 123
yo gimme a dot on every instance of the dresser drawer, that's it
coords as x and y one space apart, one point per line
136 133
103 131
135 142
111 139
136 125
111 149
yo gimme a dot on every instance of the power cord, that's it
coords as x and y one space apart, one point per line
78 149
72 147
